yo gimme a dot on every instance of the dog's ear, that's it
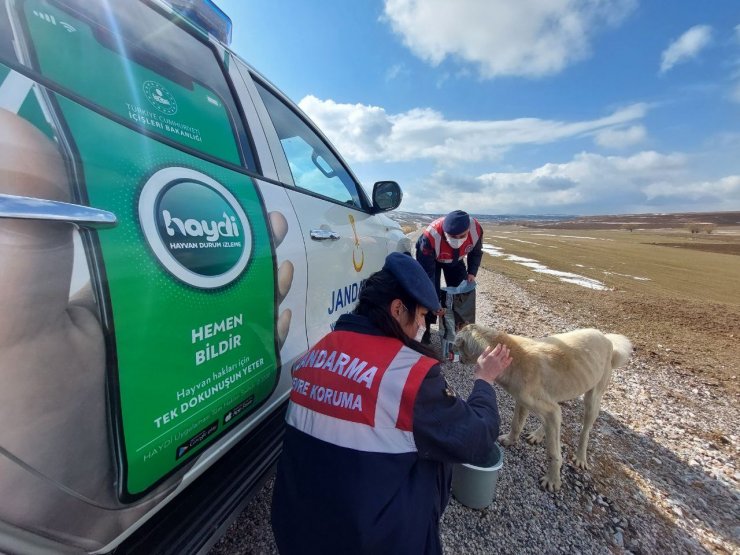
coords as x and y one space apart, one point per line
466 345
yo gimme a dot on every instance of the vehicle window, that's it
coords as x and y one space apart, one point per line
312 163
158 76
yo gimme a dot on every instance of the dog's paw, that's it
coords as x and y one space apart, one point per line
580 463
536 437
550 484
505 440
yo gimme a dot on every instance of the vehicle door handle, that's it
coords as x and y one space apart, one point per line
29 208
324 234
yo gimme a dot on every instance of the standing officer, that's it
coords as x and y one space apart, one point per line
442 247
373 427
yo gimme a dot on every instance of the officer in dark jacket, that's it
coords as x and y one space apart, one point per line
443 247
373 428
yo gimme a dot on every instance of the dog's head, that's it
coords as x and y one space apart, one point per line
469 343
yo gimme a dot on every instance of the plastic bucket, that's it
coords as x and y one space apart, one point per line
448 352
475 486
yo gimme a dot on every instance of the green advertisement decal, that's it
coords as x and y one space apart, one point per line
190 275
186 279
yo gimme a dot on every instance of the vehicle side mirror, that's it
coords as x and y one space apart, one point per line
387 195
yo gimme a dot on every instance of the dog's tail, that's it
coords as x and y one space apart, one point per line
621 349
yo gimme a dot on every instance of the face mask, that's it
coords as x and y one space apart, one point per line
455 243
420 326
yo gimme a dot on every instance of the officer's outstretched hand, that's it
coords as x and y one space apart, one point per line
492 362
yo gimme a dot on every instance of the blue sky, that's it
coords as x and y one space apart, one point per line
516 107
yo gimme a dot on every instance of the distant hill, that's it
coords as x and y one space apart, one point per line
645 221
421 220
413 220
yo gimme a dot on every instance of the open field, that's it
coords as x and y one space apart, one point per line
676 294
704 220
671 286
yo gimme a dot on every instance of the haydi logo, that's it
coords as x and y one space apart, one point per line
212 231
195 227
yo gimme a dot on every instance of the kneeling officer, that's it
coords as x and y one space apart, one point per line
373 427
442 248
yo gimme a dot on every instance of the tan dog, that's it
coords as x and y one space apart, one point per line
546 372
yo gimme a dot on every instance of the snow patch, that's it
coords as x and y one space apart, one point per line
536 266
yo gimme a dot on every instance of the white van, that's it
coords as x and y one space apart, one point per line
174 232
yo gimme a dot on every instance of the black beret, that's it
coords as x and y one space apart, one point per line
456 222
414 280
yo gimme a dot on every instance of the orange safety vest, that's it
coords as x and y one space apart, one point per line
444 253
358 391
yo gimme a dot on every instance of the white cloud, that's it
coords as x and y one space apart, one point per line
524 38
368 133
686 47
358 131
621 137
588 184
726 188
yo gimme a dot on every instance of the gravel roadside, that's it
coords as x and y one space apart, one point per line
654 486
